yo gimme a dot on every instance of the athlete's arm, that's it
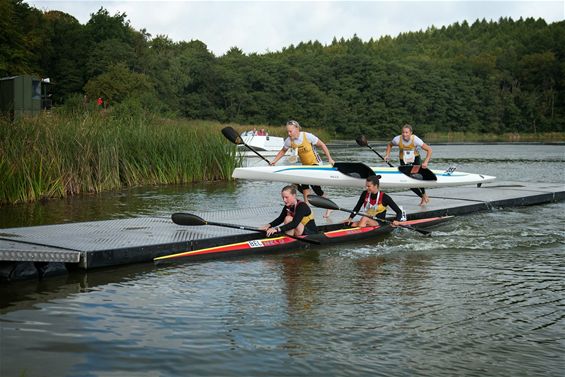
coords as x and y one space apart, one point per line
428 150
321 144
388 202
301 210
279 156
358 205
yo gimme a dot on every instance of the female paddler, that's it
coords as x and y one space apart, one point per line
296 216
305 144
373 202
409 146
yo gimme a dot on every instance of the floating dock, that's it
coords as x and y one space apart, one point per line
41 251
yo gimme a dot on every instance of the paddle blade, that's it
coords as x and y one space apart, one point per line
417 172
187 219
362 141
232 135
354 169
321 202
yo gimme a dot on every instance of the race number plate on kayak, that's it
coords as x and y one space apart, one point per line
255 243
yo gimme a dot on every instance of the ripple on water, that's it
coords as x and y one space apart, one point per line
482 296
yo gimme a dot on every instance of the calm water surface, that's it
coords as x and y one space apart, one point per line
483 296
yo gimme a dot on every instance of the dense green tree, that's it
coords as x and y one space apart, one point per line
65 66
200 96
22 39
107 53
119 83
103 26
483 76
165 65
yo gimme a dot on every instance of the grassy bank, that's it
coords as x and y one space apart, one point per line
57 155
447 137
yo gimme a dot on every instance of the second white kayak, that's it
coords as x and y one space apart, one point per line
326 175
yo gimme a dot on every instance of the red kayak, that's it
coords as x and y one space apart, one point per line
265 245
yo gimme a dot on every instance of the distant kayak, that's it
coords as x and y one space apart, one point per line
327 175
268 146
262 142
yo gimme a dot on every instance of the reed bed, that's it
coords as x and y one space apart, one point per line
57 155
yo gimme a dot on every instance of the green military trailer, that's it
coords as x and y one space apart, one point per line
22 96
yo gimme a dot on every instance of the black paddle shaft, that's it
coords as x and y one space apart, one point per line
326 203
190 219
235 226
232 135
243 227
363 142
378 154
421 174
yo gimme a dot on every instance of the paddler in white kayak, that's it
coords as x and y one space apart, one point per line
296 216
374 203
304 143
409 146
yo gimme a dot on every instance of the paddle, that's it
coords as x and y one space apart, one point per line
360 170
363 142
413 171
234 137
190 219
321 202
354 169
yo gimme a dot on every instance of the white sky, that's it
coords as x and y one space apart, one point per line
261 26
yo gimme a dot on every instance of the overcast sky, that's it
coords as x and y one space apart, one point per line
261 26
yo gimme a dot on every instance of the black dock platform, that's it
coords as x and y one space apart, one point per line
44 250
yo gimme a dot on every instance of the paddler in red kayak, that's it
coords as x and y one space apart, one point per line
297 218
304 143
373 202
409 146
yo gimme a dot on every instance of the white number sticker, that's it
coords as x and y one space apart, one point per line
255 243
409 157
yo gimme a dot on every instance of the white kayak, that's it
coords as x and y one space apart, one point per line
327 175
269 146
262 142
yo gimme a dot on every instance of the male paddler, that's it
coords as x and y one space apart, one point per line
409 146
304 143
297 218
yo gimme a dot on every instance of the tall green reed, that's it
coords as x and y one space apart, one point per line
67 153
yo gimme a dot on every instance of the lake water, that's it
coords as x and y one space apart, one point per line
483 296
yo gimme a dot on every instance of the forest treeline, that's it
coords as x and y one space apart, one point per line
487 76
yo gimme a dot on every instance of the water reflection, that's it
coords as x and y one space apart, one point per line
25 294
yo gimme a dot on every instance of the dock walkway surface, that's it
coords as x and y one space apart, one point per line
41 251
